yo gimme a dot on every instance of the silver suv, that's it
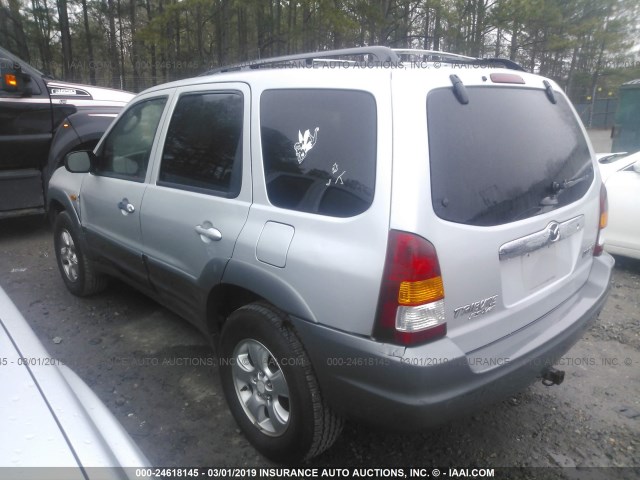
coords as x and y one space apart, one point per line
392 236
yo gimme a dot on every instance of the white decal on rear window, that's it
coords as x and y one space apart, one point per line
305 143
334 170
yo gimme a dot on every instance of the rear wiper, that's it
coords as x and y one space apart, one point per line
549 203
558 187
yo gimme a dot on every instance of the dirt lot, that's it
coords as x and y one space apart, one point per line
158 376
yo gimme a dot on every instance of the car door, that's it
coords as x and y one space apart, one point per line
111 194
26 126
25 135
198 202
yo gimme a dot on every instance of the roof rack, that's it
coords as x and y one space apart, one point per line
379 54
432 55
376 54
454 58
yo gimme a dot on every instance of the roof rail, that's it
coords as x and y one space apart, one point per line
430 54
438 56
379 54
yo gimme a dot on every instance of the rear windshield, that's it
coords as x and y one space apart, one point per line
507 155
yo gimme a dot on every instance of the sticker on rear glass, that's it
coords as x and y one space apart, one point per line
305 143
335 169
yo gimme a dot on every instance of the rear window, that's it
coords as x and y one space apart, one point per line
507 155
319 150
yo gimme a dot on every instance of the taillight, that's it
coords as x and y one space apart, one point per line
411 305
602 222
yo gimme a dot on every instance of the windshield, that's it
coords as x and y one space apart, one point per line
508 154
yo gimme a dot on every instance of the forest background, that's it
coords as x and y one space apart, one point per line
589 47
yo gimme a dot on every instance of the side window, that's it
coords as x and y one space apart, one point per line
203 149
319 150
125 152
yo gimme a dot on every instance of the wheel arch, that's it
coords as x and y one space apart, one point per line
57 202
80 131
244 283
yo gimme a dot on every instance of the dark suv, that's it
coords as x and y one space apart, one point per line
41 120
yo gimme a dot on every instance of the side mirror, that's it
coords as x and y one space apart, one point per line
12 80
79 162
636 167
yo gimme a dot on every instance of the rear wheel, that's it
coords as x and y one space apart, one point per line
271 388
76 269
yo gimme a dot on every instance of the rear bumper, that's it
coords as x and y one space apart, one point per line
412 388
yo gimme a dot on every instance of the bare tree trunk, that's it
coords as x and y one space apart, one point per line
437 27
513 50
572 68
478 28
338 41
121 37
243 41
261 34
178 38
306 26
43 24
135 51
292 42
278 29
222 32
87 32
113 47
152 49
534 52
65 39
426 40
164 47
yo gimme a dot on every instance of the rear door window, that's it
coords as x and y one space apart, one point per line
203 149
507 155
319 150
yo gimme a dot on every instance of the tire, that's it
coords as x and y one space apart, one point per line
271 388
76 269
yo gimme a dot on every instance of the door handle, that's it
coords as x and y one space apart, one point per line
208 233
125 207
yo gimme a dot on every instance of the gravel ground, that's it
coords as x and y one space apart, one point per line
158 375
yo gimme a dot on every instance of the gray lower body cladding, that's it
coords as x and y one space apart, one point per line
412 388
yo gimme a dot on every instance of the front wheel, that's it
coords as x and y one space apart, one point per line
75 267
271 388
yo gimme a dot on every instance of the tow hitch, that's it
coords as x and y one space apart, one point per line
551 376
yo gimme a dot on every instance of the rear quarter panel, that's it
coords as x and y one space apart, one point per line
333 264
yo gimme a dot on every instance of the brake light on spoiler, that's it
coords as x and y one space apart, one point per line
411 305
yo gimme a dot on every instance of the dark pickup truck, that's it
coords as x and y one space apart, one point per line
41 120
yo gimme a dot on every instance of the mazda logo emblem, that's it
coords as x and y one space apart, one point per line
554 231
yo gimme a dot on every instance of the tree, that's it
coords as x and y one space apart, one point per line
143 42
89 43
65 38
